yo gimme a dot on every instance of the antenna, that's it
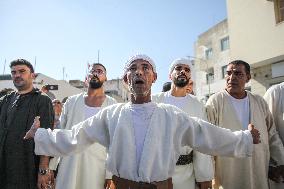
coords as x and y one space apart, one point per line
4 67
35 64
63 71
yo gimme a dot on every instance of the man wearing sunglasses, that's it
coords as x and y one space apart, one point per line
87 169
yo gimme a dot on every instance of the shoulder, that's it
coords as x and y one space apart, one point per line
276 88
110 100
158 96
217 97
168 108
74 98
254 98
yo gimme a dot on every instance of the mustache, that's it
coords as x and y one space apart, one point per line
18 79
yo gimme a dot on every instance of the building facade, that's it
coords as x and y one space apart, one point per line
256 30
212 53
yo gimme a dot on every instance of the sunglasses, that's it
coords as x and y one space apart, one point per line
56 102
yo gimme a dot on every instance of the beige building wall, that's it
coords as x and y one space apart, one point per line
204 65
256 38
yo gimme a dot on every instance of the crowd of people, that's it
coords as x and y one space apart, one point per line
168 140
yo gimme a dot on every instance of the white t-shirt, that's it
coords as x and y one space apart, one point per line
91 111
179 102
242 109
141 115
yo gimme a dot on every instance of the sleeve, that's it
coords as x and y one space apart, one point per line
209 139
64 114
62 142
53 163
212 111
203 163
203 167
275 144
45 111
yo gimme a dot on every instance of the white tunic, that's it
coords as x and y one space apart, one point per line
170 129
87 168
274 96
250 172
201 169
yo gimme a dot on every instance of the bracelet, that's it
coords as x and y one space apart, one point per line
43 171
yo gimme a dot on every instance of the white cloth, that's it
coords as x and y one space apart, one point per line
141 115
90 111
250 172
242 109
202 167
86 169
274 96
170 129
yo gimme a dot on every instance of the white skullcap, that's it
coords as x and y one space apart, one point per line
138 57
185 61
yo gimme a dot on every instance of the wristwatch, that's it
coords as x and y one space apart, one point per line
43 171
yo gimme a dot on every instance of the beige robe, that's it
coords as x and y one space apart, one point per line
275 100
201 169
80 171
169 130
251 172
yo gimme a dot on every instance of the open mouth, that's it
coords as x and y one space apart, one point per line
139 81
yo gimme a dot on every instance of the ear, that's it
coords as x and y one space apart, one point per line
125 79
248 77
154 77
170 76
33 75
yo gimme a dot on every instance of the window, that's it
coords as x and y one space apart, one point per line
224 71
279 10
208 53
210 76
225 43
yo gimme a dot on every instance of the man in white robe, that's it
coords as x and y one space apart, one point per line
80 171
143 139
192 166
234 108
274 97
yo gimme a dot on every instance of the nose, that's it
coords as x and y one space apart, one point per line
138 71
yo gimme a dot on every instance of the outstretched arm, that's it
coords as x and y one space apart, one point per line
207 138
62 142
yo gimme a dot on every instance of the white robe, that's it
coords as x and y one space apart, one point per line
274 97
250 172
201 169
80 171
170 129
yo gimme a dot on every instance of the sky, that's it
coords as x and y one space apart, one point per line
69 33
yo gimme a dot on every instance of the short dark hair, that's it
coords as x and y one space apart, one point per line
166 86
22 62
99 65
241 62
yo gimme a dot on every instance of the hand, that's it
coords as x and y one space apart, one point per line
31 133
254 133
274 174
52 179
109 184
205 185
43 181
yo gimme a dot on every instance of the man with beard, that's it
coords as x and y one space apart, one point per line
20 168
234 108
144 139
87 169
192 166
